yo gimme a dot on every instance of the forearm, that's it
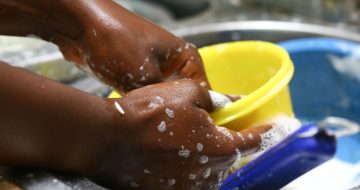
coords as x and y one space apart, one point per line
51 19
46 124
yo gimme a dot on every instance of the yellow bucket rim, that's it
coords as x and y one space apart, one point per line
261 95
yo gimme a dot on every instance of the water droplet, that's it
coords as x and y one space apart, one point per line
133 184
203 84
119 108
238 153
169 112
147 171
192 176
220 175
203 159
250 136
240 136
142 67
208 135
171 181
171 133
225 132
199 147
130 76
179 49
193 131
210 120
187 45
206 173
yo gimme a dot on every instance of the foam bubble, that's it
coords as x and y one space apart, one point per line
192 176
160 99
179 49
240 136
130 76
206 173
225 132
203 159
199 147
161 127
238 153
185 153
147 171
133 184
283 126
171 181
219 100
169 112
250 135
146 59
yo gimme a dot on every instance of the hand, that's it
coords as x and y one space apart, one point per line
129 52
166 140
120 48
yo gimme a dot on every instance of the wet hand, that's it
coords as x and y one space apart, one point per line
167 140
128 52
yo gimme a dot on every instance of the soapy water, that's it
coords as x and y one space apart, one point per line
283 126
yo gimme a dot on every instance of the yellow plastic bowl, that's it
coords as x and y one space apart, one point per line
259 71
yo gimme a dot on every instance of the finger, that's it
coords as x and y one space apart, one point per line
245 142
185 62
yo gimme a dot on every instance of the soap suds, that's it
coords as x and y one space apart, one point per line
283 126
219 100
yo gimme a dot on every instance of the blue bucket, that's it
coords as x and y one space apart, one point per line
327 83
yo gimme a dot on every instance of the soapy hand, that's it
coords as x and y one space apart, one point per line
119 47
133 52
166 140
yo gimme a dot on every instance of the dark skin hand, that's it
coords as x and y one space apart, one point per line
148 141
154 137
122 49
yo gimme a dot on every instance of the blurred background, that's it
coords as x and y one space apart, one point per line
205 22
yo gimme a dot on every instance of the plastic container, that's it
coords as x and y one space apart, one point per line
259 71
334 91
